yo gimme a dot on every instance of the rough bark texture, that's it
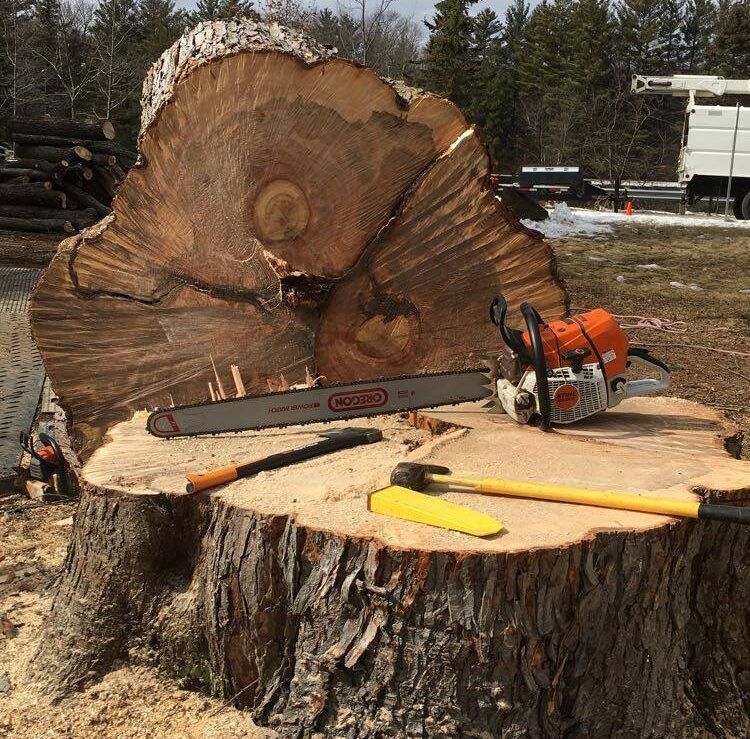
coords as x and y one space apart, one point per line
639 629
60 127
288 207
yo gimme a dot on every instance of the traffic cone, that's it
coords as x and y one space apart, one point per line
629 208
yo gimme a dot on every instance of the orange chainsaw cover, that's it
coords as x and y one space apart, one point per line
595 331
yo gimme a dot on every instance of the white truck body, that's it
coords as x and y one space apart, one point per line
715 155
707 148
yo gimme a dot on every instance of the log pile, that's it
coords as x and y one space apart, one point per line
62 175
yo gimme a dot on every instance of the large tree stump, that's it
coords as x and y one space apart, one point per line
289 210
327 620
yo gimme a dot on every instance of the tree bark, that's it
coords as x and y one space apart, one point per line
32 174
61 127
102 147
31 195
79 218
326 620
332 222
40 164
37 225
54 154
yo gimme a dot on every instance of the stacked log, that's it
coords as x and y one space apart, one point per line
62 176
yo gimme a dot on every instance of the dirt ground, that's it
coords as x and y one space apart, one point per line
709 357
710 361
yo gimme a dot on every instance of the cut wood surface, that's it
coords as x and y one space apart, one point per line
330 221
615 451
326 620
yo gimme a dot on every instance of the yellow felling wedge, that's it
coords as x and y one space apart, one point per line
409 505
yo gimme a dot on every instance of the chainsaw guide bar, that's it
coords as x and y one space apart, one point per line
361 399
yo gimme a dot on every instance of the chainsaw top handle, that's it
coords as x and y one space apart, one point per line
514 339
511 336
538 362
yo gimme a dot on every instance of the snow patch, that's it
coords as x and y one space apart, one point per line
656 218
565 221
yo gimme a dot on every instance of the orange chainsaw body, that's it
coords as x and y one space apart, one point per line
580 338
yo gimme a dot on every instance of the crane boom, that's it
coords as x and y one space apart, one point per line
689 85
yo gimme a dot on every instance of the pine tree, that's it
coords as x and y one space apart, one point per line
549 88
669 38
730 52
114 34
593 49
638 26
450 64
698 28
507 85
487 27
325 27
486 107
45 35
213 10
16 80
160 24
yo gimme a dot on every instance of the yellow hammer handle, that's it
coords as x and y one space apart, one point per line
583 496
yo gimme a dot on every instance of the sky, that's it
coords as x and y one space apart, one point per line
417 9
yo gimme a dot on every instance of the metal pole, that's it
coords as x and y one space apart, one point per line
731 163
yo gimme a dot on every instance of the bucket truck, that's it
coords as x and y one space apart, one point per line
715 151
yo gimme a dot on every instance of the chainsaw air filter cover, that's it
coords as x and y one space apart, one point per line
572 396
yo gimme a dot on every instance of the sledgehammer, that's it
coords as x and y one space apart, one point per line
419 476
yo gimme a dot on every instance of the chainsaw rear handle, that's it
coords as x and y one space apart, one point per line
634 388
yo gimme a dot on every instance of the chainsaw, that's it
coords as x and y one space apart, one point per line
552 373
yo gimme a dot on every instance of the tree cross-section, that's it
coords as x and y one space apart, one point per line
290 209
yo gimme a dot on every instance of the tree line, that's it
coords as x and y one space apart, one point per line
548 84
88 58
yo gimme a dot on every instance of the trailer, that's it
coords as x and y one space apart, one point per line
714 158
566 184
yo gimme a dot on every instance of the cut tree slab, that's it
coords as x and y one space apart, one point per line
290 210
324 619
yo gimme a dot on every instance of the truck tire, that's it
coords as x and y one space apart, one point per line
739 199
745 208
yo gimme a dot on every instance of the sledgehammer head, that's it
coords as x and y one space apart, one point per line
415 476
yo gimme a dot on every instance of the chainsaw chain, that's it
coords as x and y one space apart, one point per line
480 370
